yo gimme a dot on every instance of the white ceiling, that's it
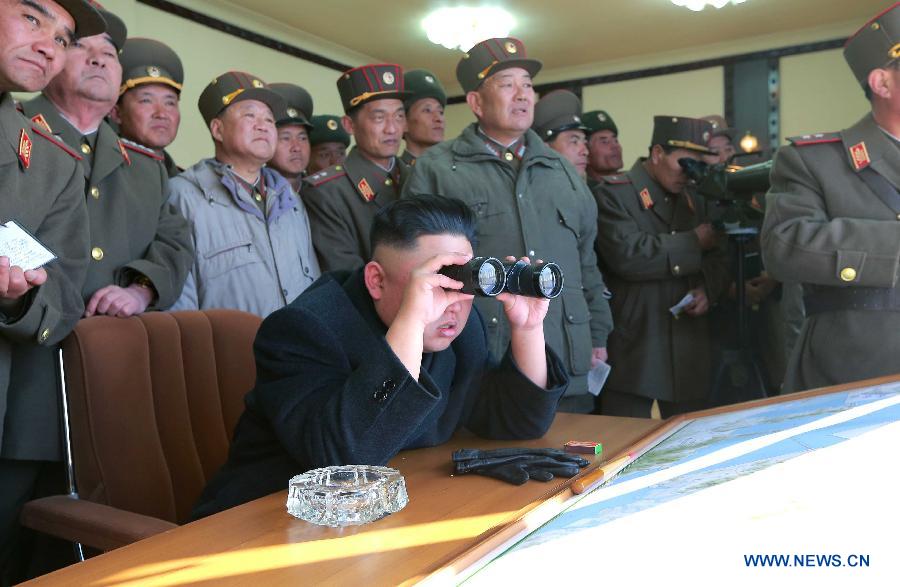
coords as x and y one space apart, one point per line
564 34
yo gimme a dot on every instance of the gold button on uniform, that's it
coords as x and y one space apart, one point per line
85 148
45 334
848 274
95 192
388 181
508 156
97 253
257 197
676 269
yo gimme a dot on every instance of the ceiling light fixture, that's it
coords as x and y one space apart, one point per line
749 143
698 5
460 27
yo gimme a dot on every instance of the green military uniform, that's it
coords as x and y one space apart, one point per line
652 258
43 192
172 168
529 201
407 158
545 212
135 233
146 61
833 224
342 200
597 120
421 83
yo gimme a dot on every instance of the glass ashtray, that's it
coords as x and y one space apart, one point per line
346 495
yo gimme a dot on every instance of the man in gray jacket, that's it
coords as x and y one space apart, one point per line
251 232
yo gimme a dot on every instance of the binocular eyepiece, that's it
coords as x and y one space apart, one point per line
488 277
694 169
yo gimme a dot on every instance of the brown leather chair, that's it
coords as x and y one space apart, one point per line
153 402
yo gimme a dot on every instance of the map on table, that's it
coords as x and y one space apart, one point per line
714 450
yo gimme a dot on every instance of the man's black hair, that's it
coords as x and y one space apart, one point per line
400 223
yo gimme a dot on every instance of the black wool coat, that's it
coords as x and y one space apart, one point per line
330 391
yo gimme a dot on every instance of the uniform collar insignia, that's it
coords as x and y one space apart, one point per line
25 145
124 153
365 190
646 200
860 156
39 120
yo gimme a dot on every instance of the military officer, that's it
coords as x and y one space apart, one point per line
833 223
140 245
148 110
292 149
604 150
657 246
328 143
42 191
557 120
342 200
424 113
254 251
529 201
721 141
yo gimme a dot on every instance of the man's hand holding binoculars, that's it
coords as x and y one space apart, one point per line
526 326
426 298
524 313
429 293
524 289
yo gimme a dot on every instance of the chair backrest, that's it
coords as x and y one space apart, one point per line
153 402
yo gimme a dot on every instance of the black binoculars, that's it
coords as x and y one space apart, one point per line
488 277
694 169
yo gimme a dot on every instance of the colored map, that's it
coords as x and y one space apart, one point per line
710 452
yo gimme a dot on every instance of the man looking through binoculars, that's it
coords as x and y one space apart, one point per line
659 253
389 357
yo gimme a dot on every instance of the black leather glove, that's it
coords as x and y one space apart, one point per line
518 465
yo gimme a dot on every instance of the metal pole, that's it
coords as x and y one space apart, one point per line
67 441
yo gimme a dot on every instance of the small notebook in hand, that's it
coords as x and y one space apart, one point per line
22 248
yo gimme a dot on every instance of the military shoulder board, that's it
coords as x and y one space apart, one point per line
620 179
138 148
42 133
816 139
326 175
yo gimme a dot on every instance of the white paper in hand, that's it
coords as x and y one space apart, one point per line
23 250
680 306
597 377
